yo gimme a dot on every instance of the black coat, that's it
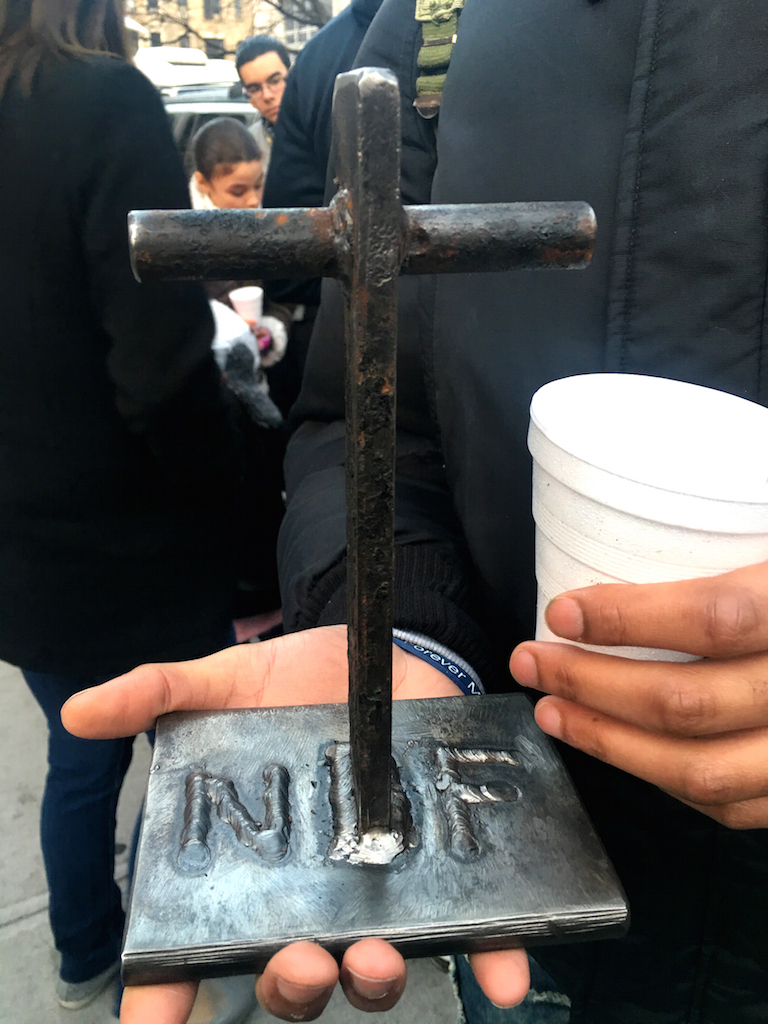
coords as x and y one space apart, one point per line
117 457
302 137
655 113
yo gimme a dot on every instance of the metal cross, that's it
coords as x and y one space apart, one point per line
458 756
366 239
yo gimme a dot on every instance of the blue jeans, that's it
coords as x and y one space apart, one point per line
77 833
544 1004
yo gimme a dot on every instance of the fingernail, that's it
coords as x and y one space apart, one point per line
549 719
565 618
523 667
299 994
371 988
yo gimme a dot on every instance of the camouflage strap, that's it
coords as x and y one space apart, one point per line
439 26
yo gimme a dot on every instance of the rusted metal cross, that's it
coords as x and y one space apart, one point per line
366 239
440 825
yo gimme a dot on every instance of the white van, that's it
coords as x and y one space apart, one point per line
171 68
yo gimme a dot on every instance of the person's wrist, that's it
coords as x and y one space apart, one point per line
440 658
415 679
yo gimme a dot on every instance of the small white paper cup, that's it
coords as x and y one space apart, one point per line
641 480
248 301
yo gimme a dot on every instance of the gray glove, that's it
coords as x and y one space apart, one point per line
240 377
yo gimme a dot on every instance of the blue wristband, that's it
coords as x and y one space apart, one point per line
455 668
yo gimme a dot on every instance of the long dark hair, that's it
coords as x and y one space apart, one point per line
33 32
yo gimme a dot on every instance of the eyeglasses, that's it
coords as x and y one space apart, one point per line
254 88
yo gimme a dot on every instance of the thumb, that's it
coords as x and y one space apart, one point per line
309 667
503 975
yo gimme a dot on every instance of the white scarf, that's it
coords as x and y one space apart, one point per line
200 200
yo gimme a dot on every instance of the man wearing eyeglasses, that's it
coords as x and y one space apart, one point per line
263 65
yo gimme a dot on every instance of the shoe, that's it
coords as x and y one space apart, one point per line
442 963
76 995
117 996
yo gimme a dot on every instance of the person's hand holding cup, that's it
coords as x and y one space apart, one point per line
661 484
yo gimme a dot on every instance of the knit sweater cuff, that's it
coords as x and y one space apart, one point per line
431 597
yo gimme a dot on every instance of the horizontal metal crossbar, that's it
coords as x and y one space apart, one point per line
177 245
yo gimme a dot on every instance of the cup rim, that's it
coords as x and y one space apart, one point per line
569 445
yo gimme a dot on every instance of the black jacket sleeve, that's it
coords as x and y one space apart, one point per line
302 139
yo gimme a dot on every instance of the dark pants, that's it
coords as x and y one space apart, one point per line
77 831
697 948
77 834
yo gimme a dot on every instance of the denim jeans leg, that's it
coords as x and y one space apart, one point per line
544 1004
77 834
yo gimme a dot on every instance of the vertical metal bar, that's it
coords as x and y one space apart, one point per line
366 117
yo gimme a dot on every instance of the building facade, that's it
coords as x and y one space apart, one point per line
217 26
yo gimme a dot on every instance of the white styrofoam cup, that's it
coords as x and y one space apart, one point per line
248 301
641 480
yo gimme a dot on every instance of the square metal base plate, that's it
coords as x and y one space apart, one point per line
248 841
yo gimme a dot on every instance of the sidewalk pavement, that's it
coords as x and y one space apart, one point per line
27 958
